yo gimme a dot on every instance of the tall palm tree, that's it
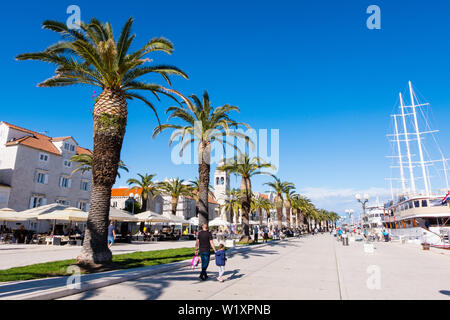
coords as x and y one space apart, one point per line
302 206
203 124
175 188
195 187
259 204
147 185
279 187
246 168
84 163
91 55
233 205
289 193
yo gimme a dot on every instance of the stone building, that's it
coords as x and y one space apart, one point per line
35 170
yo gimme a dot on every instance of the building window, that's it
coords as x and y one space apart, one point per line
67 163
83 205
217 181
65 182
37 201
63 202
43 157
85 185
69 147
42 178
222 180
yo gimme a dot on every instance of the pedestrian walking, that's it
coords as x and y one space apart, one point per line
266 234
111 234
203 246
255 230
220 261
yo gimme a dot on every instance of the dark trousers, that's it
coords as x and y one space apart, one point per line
205 262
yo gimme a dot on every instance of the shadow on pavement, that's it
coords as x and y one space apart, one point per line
445 292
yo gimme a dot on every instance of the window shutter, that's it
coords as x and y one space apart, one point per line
60 181
87 207
43 201
69 183
46 179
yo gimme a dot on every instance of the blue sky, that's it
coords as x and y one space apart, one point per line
311 69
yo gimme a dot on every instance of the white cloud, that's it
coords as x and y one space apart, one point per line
339 200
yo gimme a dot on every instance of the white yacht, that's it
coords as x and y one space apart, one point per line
416 213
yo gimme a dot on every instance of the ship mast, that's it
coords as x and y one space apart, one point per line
408 152
419 142
402 174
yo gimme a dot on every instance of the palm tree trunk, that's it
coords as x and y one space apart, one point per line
204 168
110 117
174 205
246 188
280 214
260 217
288 214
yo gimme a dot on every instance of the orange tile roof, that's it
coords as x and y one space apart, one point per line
265 196
39 141
124 192
81 150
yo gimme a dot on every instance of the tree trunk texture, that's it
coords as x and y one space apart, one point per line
204 168
280 214
246 187
110 117
174 205
288 213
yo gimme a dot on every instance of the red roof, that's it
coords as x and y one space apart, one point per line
124 192
39 141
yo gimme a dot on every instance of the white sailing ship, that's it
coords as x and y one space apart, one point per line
416 213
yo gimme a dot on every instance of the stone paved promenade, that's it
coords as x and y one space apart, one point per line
16 255
314 267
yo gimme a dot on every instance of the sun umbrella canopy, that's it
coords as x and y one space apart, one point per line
176 219
65 213
217 222
150 216
121 215
35 212
194 221
7 214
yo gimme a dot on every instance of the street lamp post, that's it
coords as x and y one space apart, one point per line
363 200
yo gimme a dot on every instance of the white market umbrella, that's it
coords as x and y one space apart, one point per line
176 219
151 217
121 215
66 213
194 221
218 222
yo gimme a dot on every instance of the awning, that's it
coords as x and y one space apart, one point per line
121 215
150 216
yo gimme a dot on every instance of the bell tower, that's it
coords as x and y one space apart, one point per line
221 188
